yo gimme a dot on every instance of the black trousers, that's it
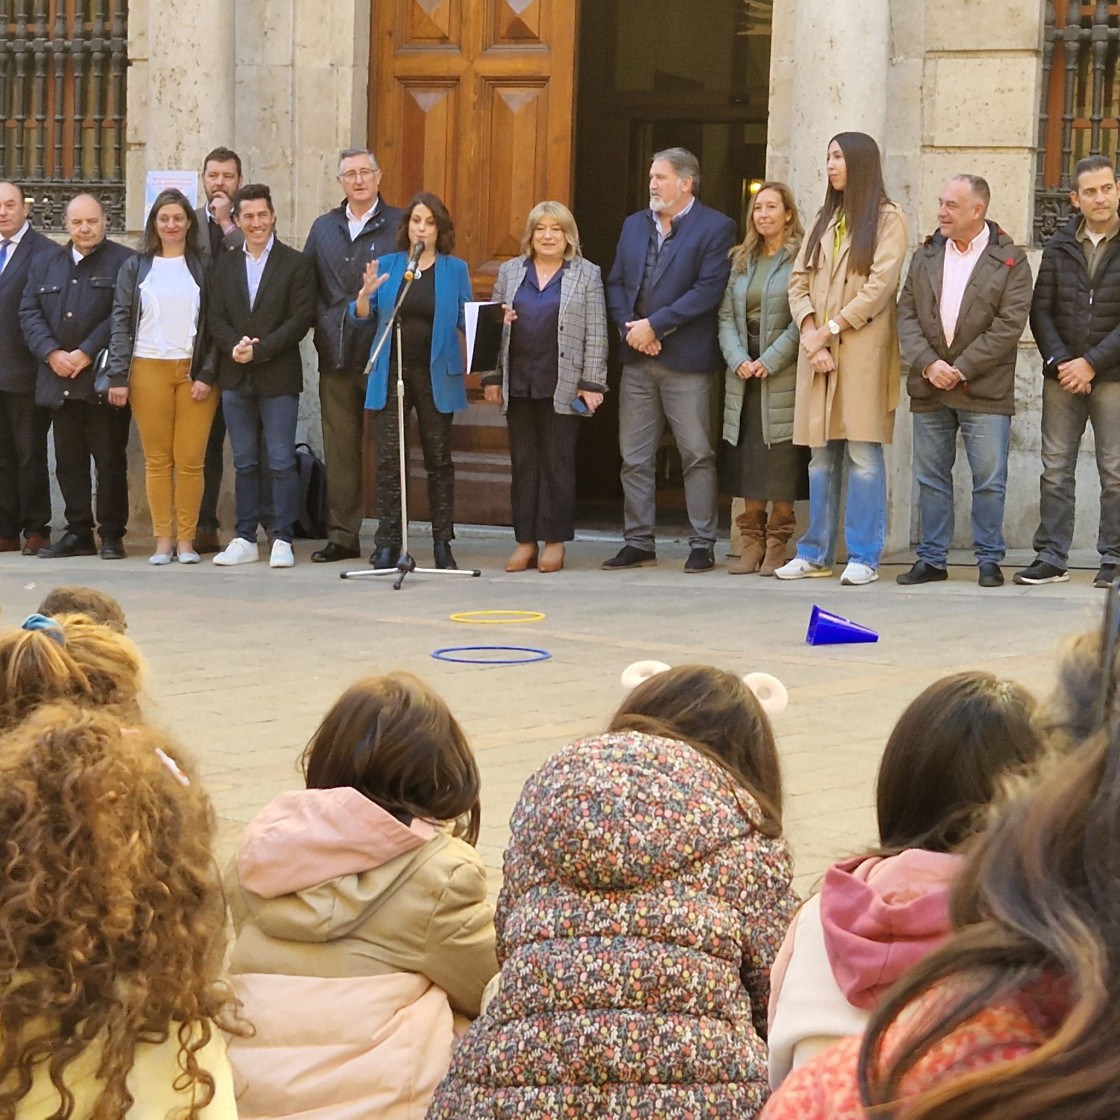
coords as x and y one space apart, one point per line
542 458
83 430
435 439
25 483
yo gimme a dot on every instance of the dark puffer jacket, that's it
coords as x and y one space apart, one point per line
1072 317
639 916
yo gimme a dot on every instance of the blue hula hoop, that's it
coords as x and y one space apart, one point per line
446 654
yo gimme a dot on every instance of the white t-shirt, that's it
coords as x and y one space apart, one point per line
169 304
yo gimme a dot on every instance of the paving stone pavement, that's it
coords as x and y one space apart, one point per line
245 661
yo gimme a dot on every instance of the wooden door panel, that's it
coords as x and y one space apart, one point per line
516 138
429 23
516 23
429 116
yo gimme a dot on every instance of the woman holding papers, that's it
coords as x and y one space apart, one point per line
431 318
552 368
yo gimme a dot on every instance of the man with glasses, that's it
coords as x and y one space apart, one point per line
341 243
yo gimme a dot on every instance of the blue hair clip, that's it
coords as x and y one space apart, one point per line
47 625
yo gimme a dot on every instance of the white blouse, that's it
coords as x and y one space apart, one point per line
169 305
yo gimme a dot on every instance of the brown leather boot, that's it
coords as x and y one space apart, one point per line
778 533
752 533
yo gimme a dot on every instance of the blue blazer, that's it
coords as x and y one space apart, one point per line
453 289
686 290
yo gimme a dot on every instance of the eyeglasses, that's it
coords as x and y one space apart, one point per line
1110 638
353 176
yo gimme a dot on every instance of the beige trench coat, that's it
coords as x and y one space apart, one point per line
858 400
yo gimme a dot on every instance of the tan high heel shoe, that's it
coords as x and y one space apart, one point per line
552 558
524 556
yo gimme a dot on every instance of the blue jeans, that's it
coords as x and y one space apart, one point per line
1063 423
986 438
865 517
274 418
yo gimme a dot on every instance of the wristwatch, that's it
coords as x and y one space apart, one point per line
833 327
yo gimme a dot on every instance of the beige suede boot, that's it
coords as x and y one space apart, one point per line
778 533
752 534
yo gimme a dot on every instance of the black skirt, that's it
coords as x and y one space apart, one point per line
778 473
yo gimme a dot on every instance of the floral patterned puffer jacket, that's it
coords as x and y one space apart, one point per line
639 916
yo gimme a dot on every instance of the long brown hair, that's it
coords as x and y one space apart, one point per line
445 227
794 231
862 200
396 742
111 916
1035 906
713 711
946 757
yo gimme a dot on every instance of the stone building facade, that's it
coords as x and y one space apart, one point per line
948 86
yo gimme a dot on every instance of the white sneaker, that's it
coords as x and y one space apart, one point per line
238 551
281 555
798 568
855 574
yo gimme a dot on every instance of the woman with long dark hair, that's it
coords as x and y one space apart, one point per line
431 319
159 359
842 294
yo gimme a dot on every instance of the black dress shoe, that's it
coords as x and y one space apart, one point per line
991 575
441 552
69 544
921 572
629 557
700 559
112 548
331 552
385 557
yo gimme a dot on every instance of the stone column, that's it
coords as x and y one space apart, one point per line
841 52
180 88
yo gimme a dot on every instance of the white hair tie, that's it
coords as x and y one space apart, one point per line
770 693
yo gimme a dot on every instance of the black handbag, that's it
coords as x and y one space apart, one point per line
101 384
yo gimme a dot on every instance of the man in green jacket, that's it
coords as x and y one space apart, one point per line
960 316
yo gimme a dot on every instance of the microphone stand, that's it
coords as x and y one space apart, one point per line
406 563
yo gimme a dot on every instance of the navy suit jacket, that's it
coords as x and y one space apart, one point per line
17 363
686 290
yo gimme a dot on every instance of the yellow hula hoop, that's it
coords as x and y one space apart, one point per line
497 618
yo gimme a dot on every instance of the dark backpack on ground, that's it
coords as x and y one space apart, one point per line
312 521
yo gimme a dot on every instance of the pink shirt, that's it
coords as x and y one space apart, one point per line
954 279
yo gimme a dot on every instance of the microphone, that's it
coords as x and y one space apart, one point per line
411 271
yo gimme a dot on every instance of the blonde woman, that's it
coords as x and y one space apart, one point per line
552 369
759 342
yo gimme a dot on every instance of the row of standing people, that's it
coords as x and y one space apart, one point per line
809 334
634 952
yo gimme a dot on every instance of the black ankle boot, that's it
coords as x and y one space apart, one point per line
441 550
385 557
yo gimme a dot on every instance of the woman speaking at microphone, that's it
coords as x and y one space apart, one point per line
431 318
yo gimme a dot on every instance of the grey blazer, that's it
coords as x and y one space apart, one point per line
582 331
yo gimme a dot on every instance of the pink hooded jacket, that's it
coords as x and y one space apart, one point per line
873 919
358 940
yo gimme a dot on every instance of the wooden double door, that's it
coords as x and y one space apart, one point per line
473 100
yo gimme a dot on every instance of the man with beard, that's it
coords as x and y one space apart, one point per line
663 293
